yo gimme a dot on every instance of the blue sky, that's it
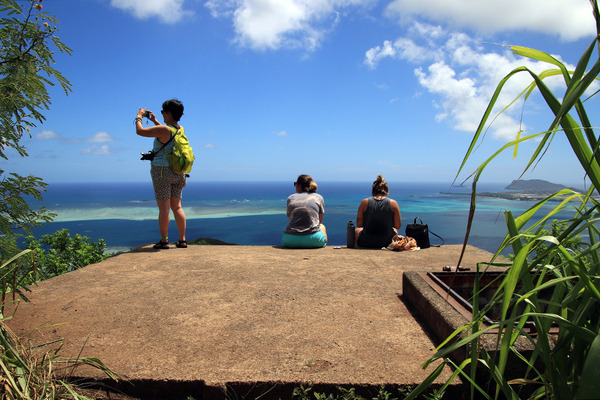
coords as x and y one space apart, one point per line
340 89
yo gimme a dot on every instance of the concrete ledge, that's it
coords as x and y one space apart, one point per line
247 318
437 313
101 389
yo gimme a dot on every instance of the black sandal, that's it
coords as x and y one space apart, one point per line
182 244
161 245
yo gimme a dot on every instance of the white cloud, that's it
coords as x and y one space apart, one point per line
168 11
282 133
222 8
266 24
94 149
209 146
47 135
402 48
463 75
462 100
101 137
569 19
275 24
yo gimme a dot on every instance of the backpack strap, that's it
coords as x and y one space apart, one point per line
437 245
170 140
165 144
434 234
176 129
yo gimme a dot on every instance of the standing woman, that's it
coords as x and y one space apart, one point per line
378 218
168 185
305 209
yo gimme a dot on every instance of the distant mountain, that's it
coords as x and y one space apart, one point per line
530 190
536 186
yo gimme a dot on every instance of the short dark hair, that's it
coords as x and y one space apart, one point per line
175 107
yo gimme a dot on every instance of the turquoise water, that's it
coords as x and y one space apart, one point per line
253 213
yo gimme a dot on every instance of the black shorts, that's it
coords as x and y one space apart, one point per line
374 242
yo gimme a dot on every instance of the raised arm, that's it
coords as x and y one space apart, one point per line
159 131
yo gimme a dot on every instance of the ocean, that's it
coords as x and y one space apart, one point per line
253 213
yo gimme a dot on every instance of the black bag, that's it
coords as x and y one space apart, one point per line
420 232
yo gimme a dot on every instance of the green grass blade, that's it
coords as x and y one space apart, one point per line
426 383
14 258
540 56
484 119
590 376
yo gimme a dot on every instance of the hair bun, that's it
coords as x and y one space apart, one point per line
307 183
380 187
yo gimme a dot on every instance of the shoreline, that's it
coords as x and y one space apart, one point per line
517 196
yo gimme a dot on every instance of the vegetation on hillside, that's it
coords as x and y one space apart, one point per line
535 185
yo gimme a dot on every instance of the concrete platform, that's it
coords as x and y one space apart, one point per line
243 321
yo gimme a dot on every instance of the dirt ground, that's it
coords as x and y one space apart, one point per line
242 315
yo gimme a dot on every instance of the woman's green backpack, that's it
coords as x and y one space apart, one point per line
181 158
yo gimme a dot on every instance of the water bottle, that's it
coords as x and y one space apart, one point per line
350 235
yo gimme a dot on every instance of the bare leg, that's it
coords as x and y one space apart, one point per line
164 215
357 231
322 227
179 217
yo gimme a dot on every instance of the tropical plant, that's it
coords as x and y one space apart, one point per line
27 45
27 374
60 253
563 262
305 392
26 69
573 243
50 256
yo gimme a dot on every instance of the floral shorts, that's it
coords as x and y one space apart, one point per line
166 183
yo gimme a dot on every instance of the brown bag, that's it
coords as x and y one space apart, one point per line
403 243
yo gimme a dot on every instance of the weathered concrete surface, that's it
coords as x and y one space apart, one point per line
247 314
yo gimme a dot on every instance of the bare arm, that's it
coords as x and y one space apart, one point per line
396 210
360 216
159 131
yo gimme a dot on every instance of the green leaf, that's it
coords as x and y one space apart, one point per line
589 386
538 55
426 383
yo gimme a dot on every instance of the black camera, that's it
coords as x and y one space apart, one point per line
147 114
148 156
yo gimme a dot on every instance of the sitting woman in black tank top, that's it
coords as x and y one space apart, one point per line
378 218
